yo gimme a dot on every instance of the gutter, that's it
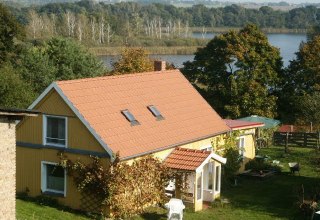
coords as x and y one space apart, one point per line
173 145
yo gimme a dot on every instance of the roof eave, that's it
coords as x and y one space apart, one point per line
173 145
240 127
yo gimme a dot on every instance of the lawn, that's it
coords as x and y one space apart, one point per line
273 198
30 210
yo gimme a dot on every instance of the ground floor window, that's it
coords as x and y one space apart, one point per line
53 178
199 186
218 180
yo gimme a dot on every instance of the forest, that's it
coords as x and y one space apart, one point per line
134 24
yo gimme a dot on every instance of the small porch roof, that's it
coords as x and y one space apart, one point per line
191 160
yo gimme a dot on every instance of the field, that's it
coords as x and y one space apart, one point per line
273 198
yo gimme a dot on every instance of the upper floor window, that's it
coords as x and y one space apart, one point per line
55 131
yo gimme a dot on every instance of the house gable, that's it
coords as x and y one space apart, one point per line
52 103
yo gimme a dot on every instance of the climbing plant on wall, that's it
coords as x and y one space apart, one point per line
126 189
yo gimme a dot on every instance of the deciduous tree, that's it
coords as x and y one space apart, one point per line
14 92
133 60
10 29
301 85
238 72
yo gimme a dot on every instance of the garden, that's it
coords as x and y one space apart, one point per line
281 196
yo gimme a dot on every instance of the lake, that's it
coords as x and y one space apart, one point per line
287 43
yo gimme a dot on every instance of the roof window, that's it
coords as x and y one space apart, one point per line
130 117
155 112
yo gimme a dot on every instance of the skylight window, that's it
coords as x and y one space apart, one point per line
155 112
130 117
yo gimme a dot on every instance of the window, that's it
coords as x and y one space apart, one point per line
217 188
155 112
55 131
53 178
130 117
199 186
207 148
210 175
241 142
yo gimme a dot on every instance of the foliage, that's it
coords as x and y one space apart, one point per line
36 68
231 152
14 92
303 74
258 165
127 188
239 72
309 106
57 59
132 60
71 60
10 30
301 84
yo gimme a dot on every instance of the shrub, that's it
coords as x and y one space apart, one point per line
257 165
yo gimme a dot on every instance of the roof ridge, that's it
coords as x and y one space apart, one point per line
127 75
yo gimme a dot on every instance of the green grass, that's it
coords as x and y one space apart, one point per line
29 210
270 199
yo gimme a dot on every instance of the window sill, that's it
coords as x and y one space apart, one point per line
55 194
55 145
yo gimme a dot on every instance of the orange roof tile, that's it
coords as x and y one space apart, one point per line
186 159
187 116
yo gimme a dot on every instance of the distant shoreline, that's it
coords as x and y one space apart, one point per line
182 50
265 30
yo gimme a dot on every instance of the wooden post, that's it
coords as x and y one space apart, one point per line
318 141
287 141
305 140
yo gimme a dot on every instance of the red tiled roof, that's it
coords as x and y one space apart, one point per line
186 159
187 116
287 128
238 124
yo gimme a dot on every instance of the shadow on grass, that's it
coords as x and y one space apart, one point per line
153 215
278 196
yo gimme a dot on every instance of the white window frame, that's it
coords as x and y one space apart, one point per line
242 148
44 179
44 131
201 198
217 182
207 148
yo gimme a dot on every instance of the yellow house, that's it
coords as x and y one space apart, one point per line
157 113
245 139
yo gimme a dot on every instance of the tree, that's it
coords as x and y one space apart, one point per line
301 85
238 73
10 29
36 68
309 109
132 60
303 75
57 59
71 60
14 92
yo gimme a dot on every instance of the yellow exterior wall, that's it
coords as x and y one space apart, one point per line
29 159
29 173
249 147
79 137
